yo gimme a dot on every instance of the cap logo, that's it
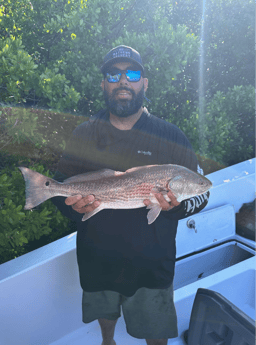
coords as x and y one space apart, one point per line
121 53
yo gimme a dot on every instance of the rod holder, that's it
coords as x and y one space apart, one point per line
191 224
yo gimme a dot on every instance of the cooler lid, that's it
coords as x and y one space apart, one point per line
211 227
210 310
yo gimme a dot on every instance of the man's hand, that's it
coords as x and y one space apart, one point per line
165 205
82 205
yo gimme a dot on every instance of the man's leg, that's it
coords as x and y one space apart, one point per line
157 341
107 331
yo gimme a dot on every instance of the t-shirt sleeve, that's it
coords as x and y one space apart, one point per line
188 207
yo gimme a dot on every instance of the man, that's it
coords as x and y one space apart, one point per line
122 260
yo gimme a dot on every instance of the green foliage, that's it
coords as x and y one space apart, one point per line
13 16
55 90
17 71
21 126
225 132
36 133
226 63
68 39
18 79
237 108
229 63
19 227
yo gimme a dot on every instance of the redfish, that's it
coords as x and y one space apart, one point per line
119 190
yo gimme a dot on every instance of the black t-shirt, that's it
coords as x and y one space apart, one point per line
116 249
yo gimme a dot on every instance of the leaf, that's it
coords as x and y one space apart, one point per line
18 208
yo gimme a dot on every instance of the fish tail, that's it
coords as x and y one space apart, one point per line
37 187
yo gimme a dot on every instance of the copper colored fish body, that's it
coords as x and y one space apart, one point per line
119 190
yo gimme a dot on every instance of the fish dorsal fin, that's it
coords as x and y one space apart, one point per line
139 168
93 176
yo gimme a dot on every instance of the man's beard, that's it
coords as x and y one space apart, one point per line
124 107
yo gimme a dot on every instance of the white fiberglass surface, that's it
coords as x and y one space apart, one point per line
236 283
238 289
234 184
59 302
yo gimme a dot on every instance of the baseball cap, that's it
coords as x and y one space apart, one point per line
119 54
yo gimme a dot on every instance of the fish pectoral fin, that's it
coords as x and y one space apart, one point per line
90 214
155 209
157 189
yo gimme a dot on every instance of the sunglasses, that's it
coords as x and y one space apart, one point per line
115 75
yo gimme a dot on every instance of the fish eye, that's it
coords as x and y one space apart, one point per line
201 182
47 183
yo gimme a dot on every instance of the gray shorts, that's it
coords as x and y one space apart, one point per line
148 314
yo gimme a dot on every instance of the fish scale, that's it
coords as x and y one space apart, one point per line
129 195
119 190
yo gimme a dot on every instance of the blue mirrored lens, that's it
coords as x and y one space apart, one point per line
131 76
113 78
